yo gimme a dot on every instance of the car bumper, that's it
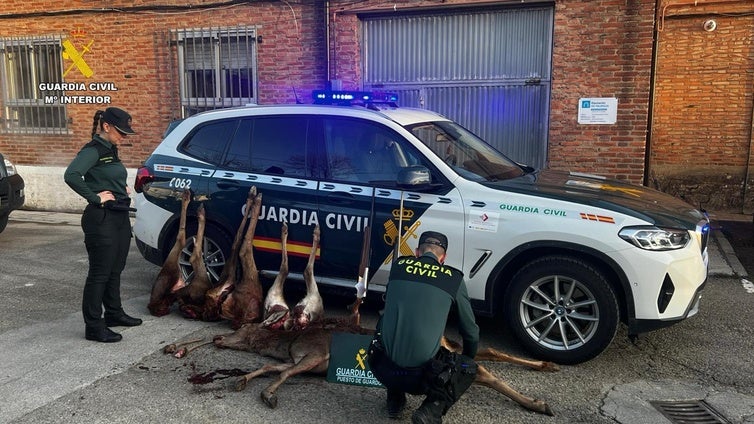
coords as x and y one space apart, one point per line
638 326
149 253
12 194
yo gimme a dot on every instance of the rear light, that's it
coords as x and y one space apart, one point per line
144 176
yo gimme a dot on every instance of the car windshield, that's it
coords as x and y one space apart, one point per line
471 157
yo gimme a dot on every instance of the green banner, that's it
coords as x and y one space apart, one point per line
348 360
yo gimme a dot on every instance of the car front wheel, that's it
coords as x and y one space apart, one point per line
215 251
562 309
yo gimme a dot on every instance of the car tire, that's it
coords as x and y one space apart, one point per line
216 250
562 309
3 221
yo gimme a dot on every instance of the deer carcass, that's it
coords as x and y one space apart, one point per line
244 303
169 277
308 350
305 350
215 297
309 309
191 295
276 311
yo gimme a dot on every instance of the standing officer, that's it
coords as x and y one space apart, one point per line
406 355
98 176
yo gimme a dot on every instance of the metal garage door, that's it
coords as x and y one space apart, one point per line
488 69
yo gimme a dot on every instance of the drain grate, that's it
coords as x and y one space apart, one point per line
689 411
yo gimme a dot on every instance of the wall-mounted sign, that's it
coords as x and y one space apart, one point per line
598 110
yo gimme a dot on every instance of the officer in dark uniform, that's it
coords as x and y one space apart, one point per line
98 175
405 354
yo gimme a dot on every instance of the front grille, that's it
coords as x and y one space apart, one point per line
689 411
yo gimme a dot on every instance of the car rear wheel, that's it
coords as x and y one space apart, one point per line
215 251
3 221
562 309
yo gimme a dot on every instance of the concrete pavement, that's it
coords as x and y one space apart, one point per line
51 360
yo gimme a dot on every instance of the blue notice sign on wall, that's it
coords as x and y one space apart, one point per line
598 110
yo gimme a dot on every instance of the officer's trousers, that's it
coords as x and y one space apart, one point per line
107 236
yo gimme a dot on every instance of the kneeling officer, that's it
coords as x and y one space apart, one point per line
405 354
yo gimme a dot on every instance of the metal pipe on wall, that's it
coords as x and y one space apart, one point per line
681 3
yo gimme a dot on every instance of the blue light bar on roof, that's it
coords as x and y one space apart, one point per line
326 97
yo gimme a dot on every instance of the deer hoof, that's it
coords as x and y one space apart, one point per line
542 407
550 367
240 384
270 399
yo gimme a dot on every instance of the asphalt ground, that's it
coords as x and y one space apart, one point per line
50 374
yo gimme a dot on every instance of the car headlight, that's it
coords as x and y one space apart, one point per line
9 167
655 238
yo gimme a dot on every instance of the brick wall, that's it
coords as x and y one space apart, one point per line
130 49
701 126
602 48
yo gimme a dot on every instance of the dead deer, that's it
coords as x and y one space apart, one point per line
191 295
163 296
228 278
309 309
244 303
276 311
308 350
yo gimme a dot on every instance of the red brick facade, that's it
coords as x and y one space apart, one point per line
701 139
686 131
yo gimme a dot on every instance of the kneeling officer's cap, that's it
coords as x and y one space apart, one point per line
433 237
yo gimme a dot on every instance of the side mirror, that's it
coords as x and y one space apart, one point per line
415 177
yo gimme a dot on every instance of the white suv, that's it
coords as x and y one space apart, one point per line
562 257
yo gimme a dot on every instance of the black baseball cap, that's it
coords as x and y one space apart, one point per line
118 118
433 237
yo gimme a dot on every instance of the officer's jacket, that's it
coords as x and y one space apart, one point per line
97 168
420 293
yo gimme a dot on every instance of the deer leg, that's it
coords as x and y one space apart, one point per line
308 363
173 347
490 354
244 379
485 378
180 353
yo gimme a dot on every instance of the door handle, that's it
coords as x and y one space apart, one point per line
340 197
227 184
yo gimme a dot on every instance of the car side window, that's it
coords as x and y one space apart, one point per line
270 144
365 152
208 141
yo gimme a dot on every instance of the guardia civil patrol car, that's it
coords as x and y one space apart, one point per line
563 258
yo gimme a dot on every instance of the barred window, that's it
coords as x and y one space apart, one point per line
217 68
28 62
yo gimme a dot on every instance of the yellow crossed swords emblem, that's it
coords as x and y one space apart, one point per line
360 356
70 52
391 233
